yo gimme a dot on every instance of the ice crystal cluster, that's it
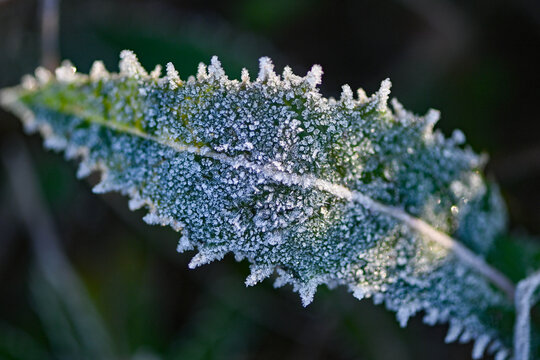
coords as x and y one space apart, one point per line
309 188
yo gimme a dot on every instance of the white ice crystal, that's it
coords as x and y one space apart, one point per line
172 76
215 70
314 76
383 94
66 72
43 75
130 66
98 71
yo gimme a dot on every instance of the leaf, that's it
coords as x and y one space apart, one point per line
322 191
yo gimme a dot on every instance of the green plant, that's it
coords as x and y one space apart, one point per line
322 191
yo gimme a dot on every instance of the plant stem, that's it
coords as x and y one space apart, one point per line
49 12
522 327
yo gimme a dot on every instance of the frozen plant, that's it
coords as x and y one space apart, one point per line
346 192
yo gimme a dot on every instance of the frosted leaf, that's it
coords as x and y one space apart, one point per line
343 193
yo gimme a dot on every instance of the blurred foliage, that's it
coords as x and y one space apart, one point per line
475 61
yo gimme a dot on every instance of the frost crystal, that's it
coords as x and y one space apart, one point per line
314 76
245 76
317 190
266 70
383 94
156 73
215 70
66 72
43 75
130 66
172 76
98 71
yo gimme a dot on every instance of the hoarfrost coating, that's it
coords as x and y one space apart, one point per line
320 191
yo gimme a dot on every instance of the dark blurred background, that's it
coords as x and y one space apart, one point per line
115 287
